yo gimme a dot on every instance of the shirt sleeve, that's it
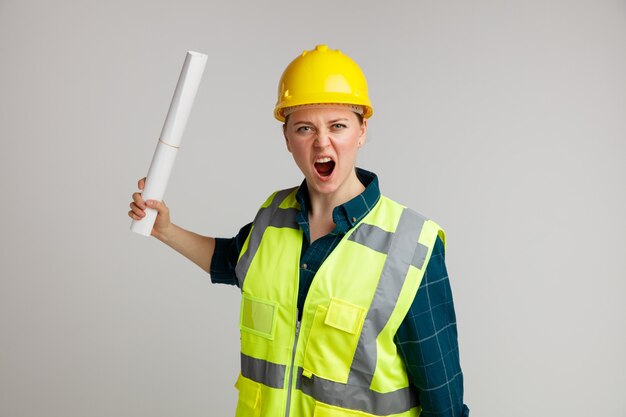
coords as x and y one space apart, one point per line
225 257
427 342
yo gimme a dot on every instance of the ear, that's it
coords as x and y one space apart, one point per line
286 138
363 135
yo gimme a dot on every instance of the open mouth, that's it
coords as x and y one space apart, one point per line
324 166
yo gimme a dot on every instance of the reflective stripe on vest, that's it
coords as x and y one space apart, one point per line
357 398
266 217
330 392
402 250
263 372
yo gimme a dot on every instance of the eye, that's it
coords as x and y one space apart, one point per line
304 129
339 126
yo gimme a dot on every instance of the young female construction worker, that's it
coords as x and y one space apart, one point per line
346 305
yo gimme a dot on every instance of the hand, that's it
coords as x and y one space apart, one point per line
138 211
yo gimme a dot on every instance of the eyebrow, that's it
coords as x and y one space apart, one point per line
302 122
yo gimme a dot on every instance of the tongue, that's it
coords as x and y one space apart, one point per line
325 168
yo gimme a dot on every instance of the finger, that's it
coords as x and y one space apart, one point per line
138 199
141 183
137 210
133 215
157 205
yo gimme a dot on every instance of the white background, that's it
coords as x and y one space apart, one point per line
504 121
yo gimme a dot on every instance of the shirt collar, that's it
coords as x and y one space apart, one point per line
347 214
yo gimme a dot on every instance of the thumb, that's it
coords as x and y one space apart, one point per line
157 205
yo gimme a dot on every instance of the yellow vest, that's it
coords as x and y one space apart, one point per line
341 359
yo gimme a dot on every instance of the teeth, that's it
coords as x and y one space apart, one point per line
322 160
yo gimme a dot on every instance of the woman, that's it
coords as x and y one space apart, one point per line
346 306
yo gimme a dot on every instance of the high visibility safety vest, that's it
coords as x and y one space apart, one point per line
340 359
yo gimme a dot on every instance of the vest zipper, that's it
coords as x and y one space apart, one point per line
293 359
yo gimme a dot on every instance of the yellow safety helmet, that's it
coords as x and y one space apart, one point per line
322 76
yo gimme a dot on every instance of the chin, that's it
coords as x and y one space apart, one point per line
328 186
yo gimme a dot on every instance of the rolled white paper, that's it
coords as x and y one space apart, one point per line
171 136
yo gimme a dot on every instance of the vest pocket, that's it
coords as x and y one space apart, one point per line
333 339
258 316
323 410
249 402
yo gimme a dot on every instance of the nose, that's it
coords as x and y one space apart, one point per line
323 138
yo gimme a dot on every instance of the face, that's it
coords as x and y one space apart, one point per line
324 143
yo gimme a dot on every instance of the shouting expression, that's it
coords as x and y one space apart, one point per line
324 143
